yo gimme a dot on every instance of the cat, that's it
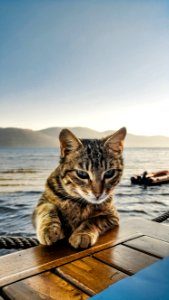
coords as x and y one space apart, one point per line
77 203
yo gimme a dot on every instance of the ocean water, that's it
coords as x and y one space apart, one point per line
23 173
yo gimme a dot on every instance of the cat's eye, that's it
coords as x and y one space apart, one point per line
82 174
109 174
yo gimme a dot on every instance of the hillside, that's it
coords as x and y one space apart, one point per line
146 141
81 132
17 137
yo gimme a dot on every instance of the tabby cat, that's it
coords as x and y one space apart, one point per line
78 199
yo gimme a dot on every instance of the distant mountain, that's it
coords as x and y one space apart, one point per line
146 141
17 137
81 132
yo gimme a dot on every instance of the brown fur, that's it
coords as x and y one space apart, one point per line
78 199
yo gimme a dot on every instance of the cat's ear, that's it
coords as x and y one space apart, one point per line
116 140
68 142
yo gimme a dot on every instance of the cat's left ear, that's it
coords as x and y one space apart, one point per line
68 142
115 141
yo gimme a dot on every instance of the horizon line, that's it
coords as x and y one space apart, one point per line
72 127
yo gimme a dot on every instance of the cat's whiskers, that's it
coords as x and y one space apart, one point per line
91 198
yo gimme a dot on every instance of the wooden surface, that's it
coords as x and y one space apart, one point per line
122 258
90 275
150 245
44 286
60 272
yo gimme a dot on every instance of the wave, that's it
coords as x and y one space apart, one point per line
20 171
21 193
33 192
6 209
132 211
149 194
18 233
12 185
129 194
158 202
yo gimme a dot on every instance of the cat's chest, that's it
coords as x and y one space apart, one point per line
75 214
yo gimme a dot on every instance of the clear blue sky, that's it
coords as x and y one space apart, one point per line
96 63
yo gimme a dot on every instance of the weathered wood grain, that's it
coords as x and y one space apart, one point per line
22 264
46 286
90 275
126 259
149 228
150 245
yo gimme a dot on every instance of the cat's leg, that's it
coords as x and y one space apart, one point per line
87 233
47 223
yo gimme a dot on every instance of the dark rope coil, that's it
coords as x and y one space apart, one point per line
13 242
162 218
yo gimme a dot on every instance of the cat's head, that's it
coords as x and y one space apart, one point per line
91 168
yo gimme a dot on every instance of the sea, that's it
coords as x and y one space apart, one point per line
23 172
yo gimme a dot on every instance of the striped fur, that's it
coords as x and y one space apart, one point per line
78 199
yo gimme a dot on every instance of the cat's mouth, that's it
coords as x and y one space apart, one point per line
91 198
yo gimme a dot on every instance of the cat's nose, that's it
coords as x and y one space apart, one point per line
97 195
97 189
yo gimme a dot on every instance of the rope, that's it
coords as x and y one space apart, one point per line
13 242
161 218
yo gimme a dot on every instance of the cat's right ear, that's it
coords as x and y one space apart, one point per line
68 142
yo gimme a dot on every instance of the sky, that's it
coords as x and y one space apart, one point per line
91 63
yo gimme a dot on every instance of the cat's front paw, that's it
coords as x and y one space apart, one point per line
83 240
49 234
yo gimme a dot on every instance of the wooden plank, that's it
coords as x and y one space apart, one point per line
22 264
149 228
90 275
125 259
45 286
150 245
32 261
